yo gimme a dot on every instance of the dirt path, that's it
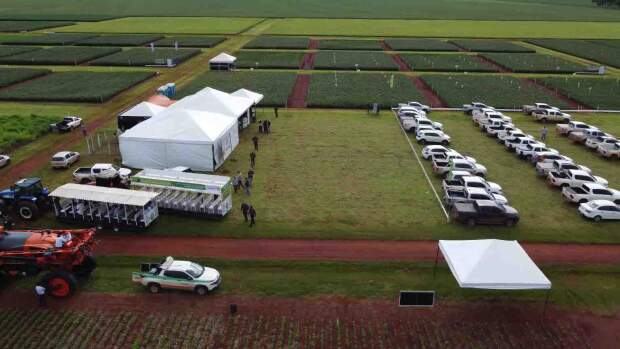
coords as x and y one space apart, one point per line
431 97
492 63
332 322
348 250
298 96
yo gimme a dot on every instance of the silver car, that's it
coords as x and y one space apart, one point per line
65 159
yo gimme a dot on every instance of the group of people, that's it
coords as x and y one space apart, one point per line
264 126
248 211
246 184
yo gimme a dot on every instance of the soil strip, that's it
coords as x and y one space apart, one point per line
298 96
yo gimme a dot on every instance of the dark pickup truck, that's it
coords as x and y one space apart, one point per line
484 212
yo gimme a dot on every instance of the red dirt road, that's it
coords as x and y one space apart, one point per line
345 250
298 96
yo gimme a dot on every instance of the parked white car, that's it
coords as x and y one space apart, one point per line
573 126
410 111
4 160
494 131
529 109
466 165
594 142
479 182
503 134
429 150
469 108
432 136
489 117
526 151
547 156
609 150
598 210
543 168
514 143
451 155
582 136
589 192
65 159
574 178
546 115
420 106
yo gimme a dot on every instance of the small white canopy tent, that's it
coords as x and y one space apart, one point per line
138 113
178 137
492 264
256 97
223 61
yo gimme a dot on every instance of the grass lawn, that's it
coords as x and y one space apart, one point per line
589 287
166 25
445 28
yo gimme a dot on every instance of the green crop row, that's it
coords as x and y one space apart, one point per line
275 86
190 41
120 40
18 129
500 92
339 44
9 76
47 39
278 42
593 92
19 26
595 50
269 60
490 46
87 87
358 90
420 45
59 55
446 62
354 60
13 50
144 56
534 63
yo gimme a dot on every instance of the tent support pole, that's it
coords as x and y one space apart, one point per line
546 302
436 259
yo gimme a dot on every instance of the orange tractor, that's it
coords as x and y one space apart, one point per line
64 254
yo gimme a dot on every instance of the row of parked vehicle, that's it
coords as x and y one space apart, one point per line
413 118
597 201
592 137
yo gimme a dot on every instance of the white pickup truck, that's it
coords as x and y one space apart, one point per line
462 182
429 150
495 129
574 178
5 160
417 105
469 108
526 151
442 167
106 171
561 165
547 157
546 115
470 195
609 150
67 124
513 144
573 126
503 134
583 136
590 191
594 142
529 109
177 275
451 155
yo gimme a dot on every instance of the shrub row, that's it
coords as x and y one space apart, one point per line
9 76
269 59
596 93
353 60
605 52
534 63
65 55
446 62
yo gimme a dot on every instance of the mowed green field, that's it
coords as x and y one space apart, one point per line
166 25
547 10
446 28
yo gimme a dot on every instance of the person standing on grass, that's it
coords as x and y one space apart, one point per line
245 209
252 159
39 289
247 187
83 128
543 133
268 123
251 176
238 181
252 213
255 141
275 112
260 126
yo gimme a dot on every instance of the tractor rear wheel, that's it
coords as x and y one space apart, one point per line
88 265
27 210
60 284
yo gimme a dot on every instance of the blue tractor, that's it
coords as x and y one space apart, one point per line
27 197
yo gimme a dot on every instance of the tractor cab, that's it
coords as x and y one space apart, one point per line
27 197
31 187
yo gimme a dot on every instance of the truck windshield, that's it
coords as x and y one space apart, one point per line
195 270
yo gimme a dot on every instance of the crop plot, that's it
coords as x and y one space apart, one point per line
9 76
446 62
491 46
341 44
144 56
275 86
353 60
85 87
119 40
419 45
47 39
19 26
278 42
190 41
65 55
18 129
498 91
269 59
594 92
13 50
602 51
358 90
534 63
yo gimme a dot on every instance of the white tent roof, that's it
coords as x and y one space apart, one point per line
223 58
256 97
182 126
212 100
492 264
144 109
104 194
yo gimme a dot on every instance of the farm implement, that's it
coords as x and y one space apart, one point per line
28 253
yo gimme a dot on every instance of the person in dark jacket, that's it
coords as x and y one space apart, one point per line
252 159
247 187
251 176
267 126
255 141
275 111
252 213
245 210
